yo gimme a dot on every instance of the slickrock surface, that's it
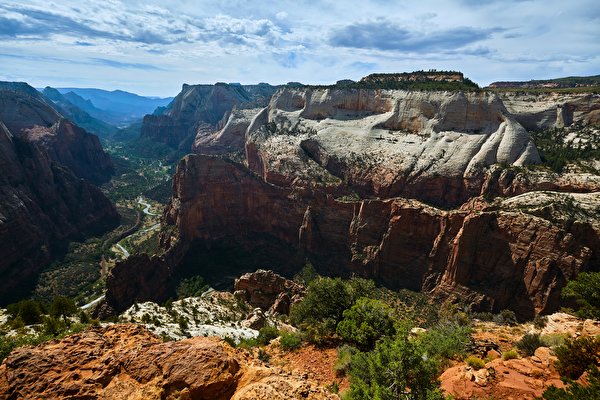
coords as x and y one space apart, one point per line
128 362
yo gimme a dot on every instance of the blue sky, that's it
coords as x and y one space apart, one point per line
153 47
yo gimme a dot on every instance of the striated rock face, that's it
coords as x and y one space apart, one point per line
27 115
431 146
552 110
199 108
128 362
313 153
268 290
490 258
43 201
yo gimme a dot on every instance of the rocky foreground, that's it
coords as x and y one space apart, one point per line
128 362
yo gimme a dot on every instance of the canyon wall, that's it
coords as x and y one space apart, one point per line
44 202
381 183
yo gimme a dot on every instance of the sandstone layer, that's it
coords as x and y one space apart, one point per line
128 362
552 110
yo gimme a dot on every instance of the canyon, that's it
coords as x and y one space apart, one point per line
426 190
47 194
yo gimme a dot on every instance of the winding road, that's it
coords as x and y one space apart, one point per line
146 210
147 206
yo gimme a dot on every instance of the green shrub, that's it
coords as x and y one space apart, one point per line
554 339
306 275
266 334
263 356
30 311
366 322
290 341
324 304
506 317
446 341
191 287
540 322
577 391
529 343
510 354
344 359
53 326
577 355
396 366
475 362
585 291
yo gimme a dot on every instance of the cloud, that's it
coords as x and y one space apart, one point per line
152 25
119 64
382 34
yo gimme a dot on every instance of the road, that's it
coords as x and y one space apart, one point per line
92 303
147 206
123 249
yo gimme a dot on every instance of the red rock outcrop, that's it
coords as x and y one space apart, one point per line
128 362
268 290
523 378
489 258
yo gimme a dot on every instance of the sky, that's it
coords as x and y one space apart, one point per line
153 47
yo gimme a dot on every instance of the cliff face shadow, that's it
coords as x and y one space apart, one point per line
221 263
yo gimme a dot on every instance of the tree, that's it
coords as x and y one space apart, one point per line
577 391
366 322
577 355
397 368
29 311
63 307
585 291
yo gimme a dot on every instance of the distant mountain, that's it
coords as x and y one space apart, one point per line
198 108
77 114
116 107
559 83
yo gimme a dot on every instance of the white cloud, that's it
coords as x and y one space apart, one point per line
154 46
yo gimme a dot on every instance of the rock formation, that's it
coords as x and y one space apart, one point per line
199 108
268 291
325 174
552 110
43 201
128 362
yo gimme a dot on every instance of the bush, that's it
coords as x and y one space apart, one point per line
577 391
529 343
191 287
53 326
290 341
30 311
344 359
510 354
325 302
446 341
395 367
263 356
554 339
585 291
475 362
266 334
306 275
366 322
506 317
577 355
540 322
